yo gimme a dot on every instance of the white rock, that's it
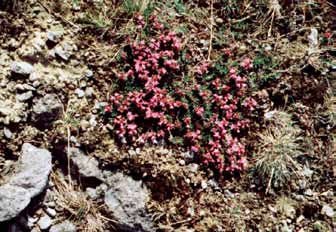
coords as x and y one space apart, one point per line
65 226
328 211
22 68
7 133
24 96
44 222
80 93
51 212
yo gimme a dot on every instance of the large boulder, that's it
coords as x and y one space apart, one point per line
34 169
126 198
86 166
31 178
12 201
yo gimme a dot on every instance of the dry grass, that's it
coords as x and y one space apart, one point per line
85 213
330 106
278 147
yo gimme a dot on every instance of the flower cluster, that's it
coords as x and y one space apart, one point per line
155 102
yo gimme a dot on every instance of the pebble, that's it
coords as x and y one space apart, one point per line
82 84
65 226
80 93
182 162
24 96
328 211
93 121
22 68
89 73
44 222
7 133
92 193
54 36
51 212
31 221
89 92
309 193
33 77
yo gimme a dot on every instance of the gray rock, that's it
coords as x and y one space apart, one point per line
65 226
126 198
44 222
34 169
328 211
86 166
30 180
63 51
46 110
54 36
24 96
22 68
12 201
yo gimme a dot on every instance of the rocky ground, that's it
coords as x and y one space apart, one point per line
61 169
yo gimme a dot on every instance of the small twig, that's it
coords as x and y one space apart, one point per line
270 181
211 30
270 29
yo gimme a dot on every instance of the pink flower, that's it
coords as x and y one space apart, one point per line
246 64
199 111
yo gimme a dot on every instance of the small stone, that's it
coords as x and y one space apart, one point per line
93 121
24 96
51 212
62 52
268 48
7 133
328 211
300 219
33 77
131 152
92 193
31 221
80 93
89 74
82 84
182 162
46 110
204 184
22 68
307 172
54 36
228 193
44 222
219 20
89 92
193 167
309 193
65 226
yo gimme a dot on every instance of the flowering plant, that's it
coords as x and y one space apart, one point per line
155 102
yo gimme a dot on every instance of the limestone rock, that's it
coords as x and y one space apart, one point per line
126 198
46 110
